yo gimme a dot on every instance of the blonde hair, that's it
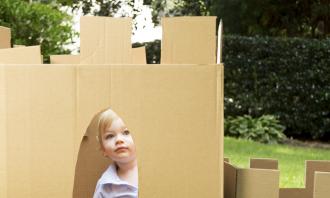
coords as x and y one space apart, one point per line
105 120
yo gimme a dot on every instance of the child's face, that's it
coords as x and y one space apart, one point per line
118 143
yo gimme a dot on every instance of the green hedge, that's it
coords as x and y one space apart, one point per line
285 77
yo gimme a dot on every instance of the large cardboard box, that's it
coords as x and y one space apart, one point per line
21 55
5 36
189 40
169 110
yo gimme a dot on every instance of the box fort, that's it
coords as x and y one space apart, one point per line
48 113
262 180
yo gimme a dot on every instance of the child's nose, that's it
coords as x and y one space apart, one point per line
119 140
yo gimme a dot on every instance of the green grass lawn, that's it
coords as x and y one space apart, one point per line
291 159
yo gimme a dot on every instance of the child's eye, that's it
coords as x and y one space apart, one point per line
126 132
109 136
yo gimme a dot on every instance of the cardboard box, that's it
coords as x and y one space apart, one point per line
105 40
139 57
264 163
293 193
21 55
5 37
64 59
188 40
313 166
41 127
321 184
250 182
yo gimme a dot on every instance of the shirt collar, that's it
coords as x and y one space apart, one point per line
110 176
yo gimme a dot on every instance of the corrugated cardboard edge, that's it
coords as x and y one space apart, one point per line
21 55
264 163
3 137
220 116
5 37
321 185
64 59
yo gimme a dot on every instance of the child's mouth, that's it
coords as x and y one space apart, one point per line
121 149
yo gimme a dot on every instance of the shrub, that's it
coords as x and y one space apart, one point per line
265 129
285 77
35 23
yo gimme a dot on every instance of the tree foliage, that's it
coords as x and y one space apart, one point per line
37 24
307 18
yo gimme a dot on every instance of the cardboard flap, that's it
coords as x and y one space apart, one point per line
139 55
188 40
263 163
311 167
321 185
293 193
230 179
5 37
105 40
90 164
257 183
64 59
21 55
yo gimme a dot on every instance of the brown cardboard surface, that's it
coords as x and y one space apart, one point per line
139 55
3 137
160 97
321 185
230 180
64 59
293 193
263 163
257 183
105 40
188 40
311 167
41 123
21 55
5 36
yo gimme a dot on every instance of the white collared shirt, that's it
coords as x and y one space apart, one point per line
111 186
